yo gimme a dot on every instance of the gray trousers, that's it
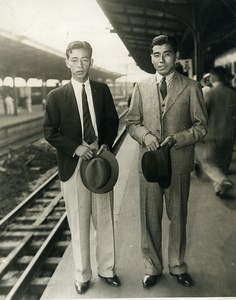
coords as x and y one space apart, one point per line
151 210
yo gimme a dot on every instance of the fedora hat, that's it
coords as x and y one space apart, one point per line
100 173
156 166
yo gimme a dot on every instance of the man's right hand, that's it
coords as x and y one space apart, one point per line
151 142
85 152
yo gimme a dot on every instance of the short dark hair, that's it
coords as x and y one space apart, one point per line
164 39
223 74
78 45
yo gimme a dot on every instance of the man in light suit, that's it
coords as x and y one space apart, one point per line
64 128
179 119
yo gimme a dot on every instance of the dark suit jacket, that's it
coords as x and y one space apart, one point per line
62 123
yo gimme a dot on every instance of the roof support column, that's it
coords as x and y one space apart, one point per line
198 61
16 98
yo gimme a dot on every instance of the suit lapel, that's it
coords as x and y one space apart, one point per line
71 103
177 86
96 101
153 97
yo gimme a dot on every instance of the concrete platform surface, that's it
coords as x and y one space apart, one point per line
23 115
211 244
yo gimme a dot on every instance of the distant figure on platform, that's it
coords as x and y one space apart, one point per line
2 106
28 104
167 116
9 101
206 83
214 153
81 122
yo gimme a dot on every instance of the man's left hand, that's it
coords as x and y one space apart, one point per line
103 147
170 140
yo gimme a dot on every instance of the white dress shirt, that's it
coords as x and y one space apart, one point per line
77 86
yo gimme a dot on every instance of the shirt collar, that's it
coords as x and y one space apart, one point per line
160 77
78 84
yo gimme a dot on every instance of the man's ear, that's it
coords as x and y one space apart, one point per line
91 61
67 63
177 56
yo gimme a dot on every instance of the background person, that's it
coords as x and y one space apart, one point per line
166 108
206 83
28 104
9 102
77 135
214 153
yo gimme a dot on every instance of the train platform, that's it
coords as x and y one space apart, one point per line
211 241
23 115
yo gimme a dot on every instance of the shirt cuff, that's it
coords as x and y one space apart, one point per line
143 137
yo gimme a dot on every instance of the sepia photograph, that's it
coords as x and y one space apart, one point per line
117 149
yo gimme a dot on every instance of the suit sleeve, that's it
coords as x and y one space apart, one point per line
112 120
52 130
134 118
198 115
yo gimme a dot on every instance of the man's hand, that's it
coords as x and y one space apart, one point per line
85 152
170 140
151 142
103 147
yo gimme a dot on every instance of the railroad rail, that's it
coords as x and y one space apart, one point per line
34 236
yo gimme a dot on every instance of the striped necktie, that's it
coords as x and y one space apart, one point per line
89 133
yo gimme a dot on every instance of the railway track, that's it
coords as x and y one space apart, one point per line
34 237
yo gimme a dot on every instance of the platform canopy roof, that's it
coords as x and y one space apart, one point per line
21 57
137 22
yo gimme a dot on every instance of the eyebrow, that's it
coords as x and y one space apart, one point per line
76 57
166 51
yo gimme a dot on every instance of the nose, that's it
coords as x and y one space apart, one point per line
162 58
80 63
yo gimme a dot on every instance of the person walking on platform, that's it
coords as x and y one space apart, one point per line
214 153
206 83
9 104
28 104
81 121
167 116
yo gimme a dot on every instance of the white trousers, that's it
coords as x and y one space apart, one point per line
80 205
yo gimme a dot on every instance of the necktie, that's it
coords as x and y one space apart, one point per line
163 88
89 133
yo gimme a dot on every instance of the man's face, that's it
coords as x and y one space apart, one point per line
79 62
164 59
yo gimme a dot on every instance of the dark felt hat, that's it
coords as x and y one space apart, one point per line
156 166
100 173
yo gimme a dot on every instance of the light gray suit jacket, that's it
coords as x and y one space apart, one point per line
184 116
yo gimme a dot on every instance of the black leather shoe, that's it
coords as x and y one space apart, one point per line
220 194
184 279
149 280
223 188
112 281
81 287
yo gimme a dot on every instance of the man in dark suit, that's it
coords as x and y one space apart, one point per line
80 118
166 108
214 154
